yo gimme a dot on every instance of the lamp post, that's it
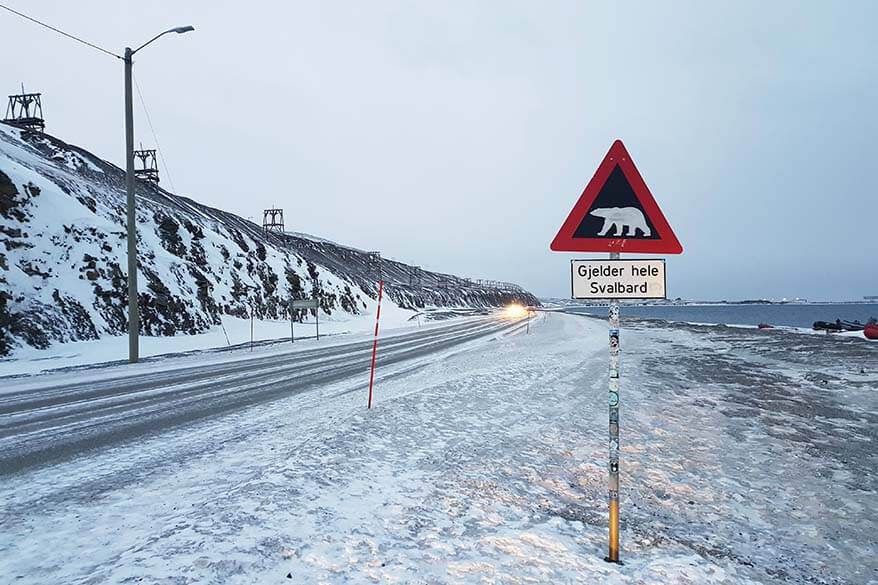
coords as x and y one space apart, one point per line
133 310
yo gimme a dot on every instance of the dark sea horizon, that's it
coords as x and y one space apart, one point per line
788 315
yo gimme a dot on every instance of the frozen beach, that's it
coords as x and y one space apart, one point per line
748 456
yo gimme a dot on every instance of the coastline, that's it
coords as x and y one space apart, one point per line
596 311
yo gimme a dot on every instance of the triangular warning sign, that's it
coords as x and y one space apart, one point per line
616 213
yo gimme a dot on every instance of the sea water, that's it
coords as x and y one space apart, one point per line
790 315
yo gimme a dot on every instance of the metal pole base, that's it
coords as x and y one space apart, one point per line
616 562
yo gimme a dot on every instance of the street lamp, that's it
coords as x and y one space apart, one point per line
133 311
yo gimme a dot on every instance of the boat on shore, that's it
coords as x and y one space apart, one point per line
840 325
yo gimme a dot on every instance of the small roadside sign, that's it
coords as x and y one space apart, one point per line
305 304
618 279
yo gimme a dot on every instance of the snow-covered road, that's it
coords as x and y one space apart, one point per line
50 419
486 463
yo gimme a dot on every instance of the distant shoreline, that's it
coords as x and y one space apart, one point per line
672 323
574 303
800 316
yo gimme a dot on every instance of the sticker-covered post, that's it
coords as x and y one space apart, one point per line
616 213
613 401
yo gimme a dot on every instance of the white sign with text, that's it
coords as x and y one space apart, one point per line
305 304
618 279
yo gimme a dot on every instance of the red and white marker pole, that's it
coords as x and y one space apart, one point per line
375 343
251 326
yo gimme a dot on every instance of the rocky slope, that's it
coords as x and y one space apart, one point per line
63 257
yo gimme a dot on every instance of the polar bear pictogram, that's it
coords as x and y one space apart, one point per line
622 219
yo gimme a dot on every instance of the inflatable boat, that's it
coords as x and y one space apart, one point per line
839 325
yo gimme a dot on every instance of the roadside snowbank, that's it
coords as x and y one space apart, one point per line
234 331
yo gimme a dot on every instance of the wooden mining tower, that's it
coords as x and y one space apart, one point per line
373 265
416 277
149 168
273 220
25 110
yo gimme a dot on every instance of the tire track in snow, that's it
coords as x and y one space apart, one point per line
79 425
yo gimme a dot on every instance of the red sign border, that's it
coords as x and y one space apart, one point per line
667 243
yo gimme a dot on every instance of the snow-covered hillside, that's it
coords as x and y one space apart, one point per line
63 258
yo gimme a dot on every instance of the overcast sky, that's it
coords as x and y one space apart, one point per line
458 135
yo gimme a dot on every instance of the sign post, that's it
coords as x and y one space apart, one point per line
375 343
613 401
616 213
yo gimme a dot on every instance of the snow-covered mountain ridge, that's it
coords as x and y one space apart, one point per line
63 257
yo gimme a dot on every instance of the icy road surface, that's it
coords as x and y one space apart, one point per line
50 419
747 457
